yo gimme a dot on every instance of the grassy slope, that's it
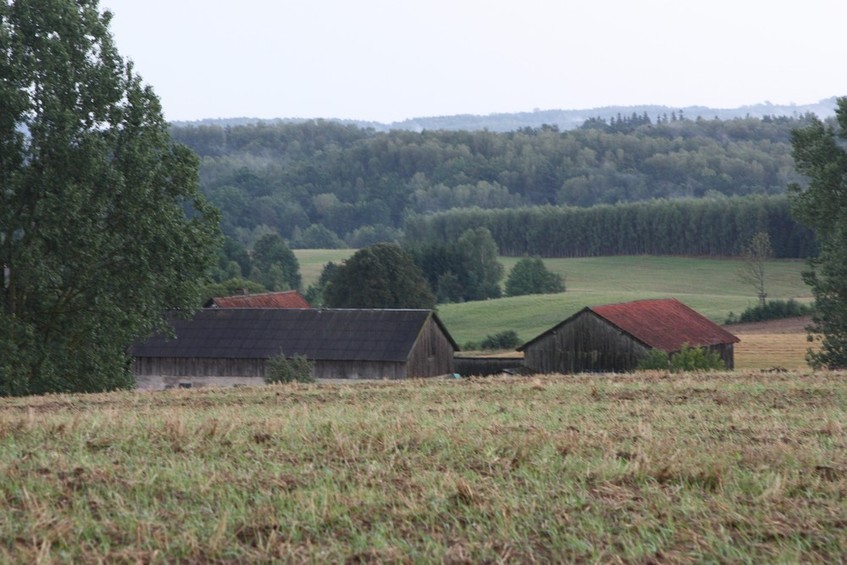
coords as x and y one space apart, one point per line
717 468
710 286
312 261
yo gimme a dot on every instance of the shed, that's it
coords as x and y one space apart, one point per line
230 346
615 337
281 299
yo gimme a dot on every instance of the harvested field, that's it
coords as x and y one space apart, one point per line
776 344
734 467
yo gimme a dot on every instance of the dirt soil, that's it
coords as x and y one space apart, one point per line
784 326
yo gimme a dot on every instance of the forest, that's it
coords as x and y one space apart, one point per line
328 184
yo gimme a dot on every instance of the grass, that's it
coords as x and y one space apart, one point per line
710 286
646 468
760 351
312 262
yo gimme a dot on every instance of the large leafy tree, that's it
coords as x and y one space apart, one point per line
101 223
819 153
381 276
531 276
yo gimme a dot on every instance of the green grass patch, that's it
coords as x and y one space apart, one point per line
710 286
312 262
645 468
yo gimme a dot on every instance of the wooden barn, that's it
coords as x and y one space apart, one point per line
230 346
281 299
615 337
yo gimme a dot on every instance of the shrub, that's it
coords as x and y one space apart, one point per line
281 369
772 310
530 276
504 340
686 359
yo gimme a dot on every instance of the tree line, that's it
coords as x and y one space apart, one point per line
334 184
705 227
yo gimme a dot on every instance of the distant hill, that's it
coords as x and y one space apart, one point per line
563 119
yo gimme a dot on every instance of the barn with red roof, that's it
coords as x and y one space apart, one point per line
615 337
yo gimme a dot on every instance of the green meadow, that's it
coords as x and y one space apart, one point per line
710 286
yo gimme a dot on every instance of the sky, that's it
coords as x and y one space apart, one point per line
390 60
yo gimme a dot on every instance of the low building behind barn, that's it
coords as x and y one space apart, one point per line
615 337
231 346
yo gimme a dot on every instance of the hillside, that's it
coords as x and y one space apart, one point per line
563 119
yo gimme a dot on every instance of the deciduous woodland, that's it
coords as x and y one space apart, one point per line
324 184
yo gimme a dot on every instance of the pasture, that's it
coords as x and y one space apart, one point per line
742 467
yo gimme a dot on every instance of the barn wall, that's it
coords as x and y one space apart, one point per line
198 367
483 366
359 370
585 344
432 353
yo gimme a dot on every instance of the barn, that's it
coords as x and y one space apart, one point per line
615 337
230 346
281 299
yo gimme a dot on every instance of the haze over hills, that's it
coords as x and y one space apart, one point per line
563 119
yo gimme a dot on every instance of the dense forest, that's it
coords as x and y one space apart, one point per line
631 184
325 184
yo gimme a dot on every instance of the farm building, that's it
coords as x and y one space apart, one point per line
282 299
230 346
614 337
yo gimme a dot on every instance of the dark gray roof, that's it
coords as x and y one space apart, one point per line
317 334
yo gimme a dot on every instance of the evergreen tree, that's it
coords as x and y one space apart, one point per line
820 154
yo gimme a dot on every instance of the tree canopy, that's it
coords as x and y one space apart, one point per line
819 151
531 276
102 226
381 276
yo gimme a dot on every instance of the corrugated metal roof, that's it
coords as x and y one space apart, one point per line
325 334
283 299
664 324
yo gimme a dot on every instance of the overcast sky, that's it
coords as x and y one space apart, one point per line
388 60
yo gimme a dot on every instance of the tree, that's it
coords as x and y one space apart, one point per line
485 271
820 155
755 256
381 276
530 276
102 227
277 266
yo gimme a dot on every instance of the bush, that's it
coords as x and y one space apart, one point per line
772 310
530 276
281 369
504 340
686 359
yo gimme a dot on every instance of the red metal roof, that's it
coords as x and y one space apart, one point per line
284 299
664 324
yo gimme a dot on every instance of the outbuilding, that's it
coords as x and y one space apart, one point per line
615 337
230 346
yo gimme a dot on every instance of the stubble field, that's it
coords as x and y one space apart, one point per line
736 467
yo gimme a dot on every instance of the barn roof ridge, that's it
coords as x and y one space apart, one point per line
673 324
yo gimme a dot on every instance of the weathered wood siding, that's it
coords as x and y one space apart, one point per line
432 353
586 344
483 366
359 370
198 367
